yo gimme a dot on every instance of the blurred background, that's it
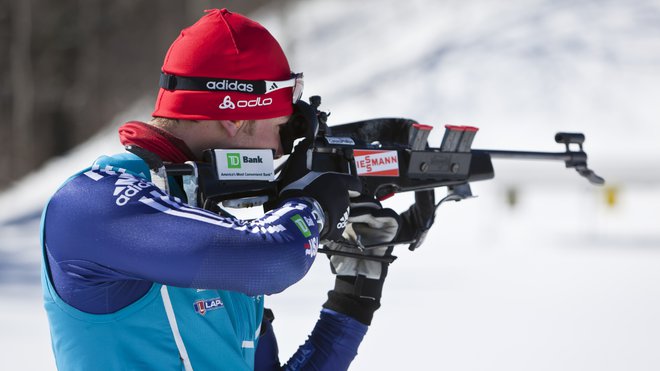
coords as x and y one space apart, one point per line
69 66
542 271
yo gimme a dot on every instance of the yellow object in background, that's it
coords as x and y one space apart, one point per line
512 197
611 195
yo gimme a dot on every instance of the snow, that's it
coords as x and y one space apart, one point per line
561 280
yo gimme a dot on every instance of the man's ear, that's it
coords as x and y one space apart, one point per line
232 126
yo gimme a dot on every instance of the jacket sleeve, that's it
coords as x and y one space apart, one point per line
332 345
106 225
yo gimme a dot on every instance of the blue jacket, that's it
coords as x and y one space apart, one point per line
136 279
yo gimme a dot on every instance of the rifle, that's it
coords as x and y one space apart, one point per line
389 155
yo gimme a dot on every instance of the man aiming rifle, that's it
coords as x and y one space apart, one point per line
136 276
143 269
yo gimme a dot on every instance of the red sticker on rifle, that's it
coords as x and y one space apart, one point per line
376 162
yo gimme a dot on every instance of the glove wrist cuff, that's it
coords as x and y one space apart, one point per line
360 287
361 309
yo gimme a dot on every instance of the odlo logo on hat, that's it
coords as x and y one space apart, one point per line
257 102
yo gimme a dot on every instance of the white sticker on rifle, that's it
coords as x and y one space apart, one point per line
376 162
345 141
242 164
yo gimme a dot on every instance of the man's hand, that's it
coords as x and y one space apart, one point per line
331 190
369 224
359 282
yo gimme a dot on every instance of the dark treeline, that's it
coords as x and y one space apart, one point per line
68 66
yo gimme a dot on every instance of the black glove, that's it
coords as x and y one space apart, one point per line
359 282
418 219
331 190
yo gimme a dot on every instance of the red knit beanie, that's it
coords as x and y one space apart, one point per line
225 67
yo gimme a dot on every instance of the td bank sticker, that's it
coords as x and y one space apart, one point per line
244 164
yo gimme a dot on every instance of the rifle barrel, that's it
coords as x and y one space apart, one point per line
530 155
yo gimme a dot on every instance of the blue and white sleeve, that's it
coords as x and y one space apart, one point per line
122 227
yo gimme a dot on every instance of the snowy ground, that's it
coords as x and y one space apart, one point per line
498 289
560 281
